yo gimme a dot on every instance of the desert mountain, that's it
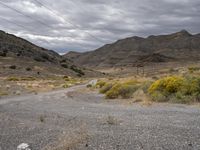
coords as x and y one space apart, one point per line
180 46
20 57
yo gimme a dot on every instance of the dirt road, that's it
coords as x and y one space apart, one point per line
77 119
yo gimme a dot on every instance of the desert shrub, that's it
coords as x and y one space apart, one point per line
2 93
77 70
13 67
3 53
39 59
27 79
13 79
100 84
64 65
65 85
28 69
63 61
193 69
106 88
176 89
66 78
166 85
89 85
121 90
158 97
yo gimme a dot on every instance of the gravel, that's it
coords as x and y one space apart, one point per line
49 119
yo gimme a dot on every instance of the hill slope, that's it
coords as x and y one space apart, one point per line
20 57
180 46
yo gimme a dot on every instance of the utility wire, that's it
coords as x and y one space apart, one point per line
12 22
30 17
68 21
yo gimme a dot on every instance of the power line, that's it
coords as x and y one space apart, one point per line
76 26
19 25
25 15
14 23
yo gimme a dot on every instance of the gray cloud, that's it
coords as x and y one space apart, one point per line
84 25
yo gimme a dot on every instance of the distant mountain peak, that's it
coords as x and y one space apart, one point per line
183 33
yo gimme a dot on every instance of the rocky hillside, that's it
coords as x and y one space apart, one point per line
180 46
20 57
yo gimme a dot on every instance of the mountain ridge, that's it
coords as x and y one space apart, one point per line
179 46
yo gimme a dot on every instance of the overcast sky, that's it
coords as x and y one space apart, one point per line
82 25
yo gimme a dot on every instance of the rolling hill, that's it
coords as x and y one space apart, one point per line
20 57
175 47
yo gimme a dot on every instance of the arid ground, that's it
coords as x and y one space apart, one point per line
77 118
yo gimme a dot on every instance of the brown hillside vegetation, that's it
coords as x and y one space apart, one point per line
177 47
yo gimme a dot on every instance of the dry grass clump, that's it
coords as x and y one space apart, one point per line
3 93
111 120
21 78
70 139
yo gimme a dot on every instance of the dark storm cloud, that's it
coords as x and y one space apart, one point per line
87 24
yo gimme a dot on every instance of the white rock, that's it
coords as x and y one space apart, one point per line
23 146
93 82
17 92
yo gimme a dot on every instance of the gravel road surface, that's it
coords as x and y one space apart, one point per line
77 119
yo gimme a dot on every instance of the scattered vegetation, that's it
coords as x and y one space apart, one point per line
193 69
21 79
111 120
100 84
176 89
106 88
28 69
13 79
3 53
3 93
64 65
42 118
38 59
77 70
13 67
121 90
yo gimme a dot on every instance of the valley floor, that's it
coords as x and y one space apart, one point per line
76 118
